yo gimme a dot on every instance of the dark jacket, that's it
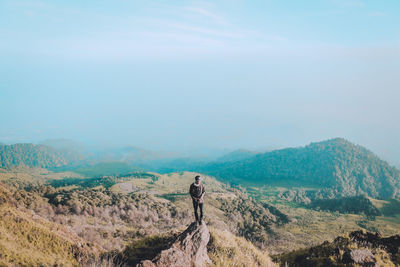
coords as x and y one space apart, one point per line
197 192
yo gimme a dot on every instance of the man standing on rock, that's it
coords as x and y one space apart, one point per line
197 192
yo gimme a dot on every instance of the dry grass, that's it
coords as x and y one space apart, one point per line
25 242
29 240
226 249
172 183
110 261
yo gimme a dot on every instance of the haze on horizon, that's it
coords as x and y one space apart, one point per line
192 75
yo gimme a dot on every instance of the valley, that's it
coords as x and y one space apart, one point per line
127 215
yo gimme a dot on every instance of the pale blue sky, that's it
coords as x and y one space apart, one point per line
181 75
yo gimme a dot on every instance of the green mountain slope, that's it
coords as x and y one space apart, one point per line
337 164
30 155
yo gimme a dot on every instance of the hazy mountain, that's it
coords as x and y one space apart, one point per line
194 161
239 154
63 144
30 155
98 153
337 164
129 154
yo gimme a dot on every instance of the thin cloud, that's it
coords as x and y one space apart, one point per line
180 38
348 3
207 31
377 14
207 14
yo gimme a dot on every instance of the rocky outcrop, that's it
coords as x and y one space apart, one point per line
359 248
189 249
363 257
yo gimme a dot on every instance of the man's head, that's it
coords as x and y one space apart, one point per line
198 179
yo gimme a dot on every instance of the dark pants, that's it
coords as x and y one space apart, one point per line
197 205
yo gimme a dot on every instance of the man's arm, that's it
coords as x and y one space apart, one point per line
203 192
191 192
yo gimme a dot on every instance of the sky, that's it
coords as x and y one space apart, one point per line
191 75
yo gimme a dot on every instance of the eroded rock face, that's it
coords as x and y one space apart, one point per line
189 249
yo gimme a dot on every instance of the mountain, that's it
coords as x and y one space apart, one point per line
128 154
30 155
239 154
337 164
63 144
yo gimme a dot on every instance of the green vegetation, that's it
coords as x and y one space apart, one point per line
391 207
30 155
309 227
356 205
106 181
103 211
131 216
106 169
114 212
237 155
341 167
255 220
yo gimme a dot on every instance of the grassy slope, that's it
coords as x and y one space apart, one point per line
226 249
29 240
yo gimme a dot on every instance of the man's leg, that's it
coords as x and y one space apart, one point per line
201 212
195 206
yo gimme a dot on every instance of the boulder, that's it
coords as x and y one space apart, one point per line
189 249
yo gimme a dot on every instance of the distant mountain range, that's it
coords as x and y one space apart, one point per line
336 164
239 154
344 168
63 144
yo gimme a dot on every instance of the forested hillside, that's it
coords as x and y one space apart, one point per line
336 164
30 155
239 154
